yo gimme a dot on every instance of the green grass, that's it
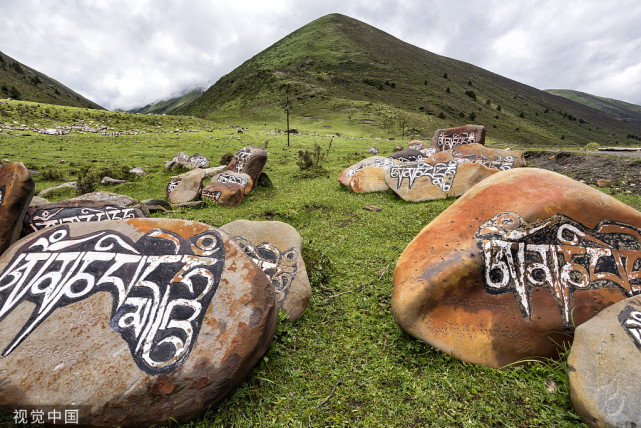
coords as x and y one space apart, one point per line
345 362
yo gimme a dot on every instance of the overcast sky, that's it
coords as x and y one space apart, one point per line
128 53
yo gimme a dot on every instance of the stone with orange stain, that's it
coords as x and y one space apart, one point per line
379 162
451 138
277 248
368 179
164 315
507 270
226 194
185 188
16 190
490 157
234 177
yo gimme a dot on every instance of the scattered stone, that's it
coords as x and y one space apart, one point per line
372 208
70 184
188 188
407 155
106 180
505 272
603 367
397 148
191 204
210 172
37 200
181 157
434 179
277 248
138 172
73 211
249 160
156 205
451 138
225 194
200 160
264 180
113 198
602 182
172 311
491 158
372 151
16 190
550 386
376 161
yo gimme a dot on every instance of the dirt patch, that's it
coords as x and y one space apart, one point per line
624 172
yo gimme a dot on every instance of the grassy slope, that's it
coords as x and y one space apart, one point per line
347 337
171 105
24 83
615 108
345 76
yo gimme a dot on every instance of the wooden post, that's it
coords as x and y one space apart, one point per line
287 121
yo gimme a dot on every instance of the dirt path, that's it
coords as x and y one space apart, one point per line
623 169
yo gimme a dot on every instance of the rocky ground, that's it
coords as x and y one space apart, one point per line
624 172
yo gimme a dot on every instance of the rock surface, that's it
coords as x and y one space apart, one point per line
113 198
249 160
451 138
506 270
408 155
603 366
491 158
72 211
277 248
188 188
235 177
106 180
380 162
368 179
161 319
16 190
225 194
434 179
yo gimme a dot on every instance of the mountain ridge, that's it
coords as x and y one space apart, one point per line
615 108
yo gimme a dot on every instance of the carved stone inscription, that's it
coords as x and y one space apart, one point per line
441 174
213 195
383 164
228 178
630 319
52 217
280 267
559 254
502 163
3 190
242 156
172 185
449 141
162 285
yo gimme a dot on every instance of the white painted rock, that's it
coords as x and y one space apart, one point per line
276 247
137 320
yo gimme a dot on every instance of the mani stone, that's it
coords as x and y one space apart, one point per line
491 158
372 151
434 178
603 366
249 160
276 247
187 189
16 190
72 211
368 179
225 194
451 138
505 272
408 155
137 321
234 177
379 162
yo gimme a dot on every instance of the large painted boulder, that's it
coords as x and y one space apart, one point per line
379 162
278 249
604 369
507 270
434 178
136 321
491 158
226 194
186 187
235 177
71 211
249 160
451 138
16 190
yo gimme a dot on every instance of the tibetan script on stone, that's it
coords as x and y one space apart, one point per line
560 254
440 174
630 320
162 285
383 164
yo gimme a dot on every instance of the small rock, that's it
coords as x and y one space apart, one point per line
550 386
106 180
372 151
138 172
602 182
45 192
372 208
264 180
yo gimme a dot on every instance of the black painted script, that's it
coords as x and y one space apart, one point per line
630 319
560 254
161 284
280 267
441 174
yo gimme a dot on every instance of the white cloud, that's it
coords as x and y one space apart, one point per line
124 54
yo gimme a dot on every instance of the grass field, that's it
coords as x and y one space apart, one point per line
345 362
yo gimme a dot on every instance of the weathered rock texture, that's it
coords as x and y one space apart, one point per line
604 369
187 188
277 248
379 162
449 139
249 160
141 319
491 158
506 271
16 190
226 194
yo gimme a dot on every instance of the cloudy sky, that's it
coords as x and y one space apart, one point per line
128 53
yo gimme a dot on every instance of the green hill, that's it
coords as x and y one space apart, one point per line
342 75
20 82
615 108
169 106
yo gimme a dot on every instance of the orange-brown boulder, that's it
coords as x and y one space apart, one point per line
249 160
225 194
449 139
434 178
491 158
507 271
380 162
16 190
368 179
